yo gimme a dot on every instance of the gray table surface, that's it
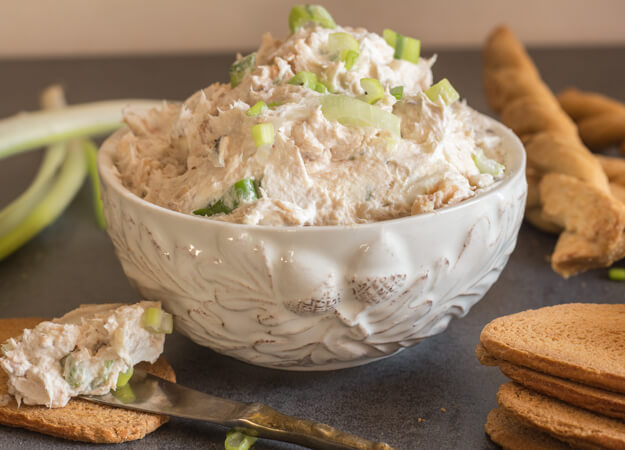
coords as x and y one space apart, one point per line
439 380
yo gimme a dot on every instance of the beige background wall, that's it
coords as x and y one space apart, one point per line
31 28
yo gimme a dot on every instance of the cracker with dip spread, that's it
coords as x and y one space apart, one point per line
78 419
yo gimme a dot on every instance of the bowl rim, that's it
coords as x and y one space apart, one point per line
109 175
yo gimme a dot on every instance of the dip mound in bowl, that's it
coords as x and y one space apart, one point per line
327 208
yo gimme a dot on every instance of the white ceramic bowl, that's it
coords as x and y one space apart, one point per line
316 298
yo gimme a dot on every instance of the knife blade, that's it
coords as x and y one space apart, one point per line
148 393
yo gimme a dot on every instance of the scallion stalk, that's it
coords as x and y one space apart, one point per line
92 169
27 131
56 199
11 216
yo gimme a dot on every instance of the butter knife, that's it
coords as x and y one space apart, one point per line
149 393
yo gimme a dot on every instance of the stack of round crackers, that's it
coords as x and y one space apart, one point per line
567 366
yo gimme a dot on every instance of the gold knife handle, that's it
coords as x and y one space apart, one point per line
263 421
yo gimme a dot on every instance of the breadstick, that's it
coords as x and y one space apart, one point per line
568 189
600 119
580 105
613 167
604 130
618 191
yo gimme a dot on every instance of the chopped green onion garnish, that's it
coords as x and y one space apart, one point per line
353 112
397 92
257 109
263 134
346 46
321 88
487 165
124 377
406 48
235 440
243 191
373 90
443 90
273 104
616 274
158 321
216 208
300 15
75 372
241 68
349 57
104 375
309 80
124 394
306 79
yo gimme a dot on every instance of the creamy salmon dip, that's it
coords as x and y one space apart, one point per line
317 170
83 352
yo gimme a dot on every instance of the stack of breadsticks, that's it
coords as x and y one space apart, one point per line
568 190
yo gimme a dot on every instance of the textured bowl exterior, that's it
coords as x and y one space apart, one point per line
316 298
